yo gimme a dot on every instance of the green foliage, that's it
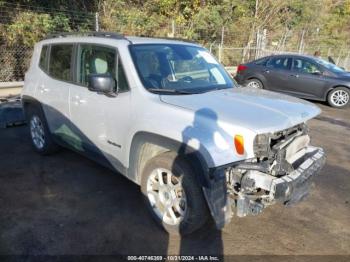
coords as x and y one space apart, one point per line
28 27
324 22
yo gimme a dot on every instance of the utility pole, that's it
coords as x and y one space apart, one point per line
301 44
221 43
173 28
97 27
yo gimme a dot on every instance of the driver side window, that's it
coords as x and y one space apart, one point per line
95 60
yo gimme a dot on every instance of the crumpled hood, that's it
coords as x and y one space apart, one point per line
259 110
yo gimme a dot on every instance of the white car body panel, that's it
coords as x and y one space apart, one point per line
239 111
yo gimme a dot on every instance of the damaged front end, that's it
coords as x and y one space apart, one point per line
282 171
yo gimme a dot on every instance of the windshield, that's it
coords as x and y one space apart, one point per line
180 68
331 67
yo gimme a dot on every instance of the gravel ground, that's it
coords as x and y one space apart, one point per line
67 204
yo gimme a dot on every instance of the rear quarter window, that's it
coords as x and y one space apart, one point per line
60 62
261 61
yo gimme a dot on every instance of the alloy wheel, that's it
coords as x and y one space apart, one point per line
340 98
37 132
166 196
254 84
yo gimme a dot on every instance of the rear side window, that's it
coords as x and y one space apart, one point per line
60 62
43 58
279 63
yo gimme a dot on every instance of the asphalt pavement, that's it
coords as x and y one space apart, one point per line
67 204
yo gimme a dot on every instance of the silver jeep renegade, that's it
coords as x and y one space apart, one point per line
167 115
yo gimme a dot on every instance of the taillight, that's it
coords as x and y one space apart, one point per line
239 144
241 68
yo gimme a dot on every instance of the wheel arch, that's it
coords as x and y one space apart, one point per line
28 101
332 88
259 77
145 146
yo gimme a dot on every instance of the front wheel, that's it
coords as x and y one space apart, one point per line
339 97
254 83
173 195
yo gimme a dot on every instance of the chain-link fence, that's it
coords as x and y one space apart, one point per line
19 24
15 61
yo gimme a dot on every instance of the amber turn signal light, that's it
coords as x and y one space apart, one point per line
239 144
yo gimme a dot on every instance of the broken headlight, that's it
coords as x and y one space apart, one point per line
261 145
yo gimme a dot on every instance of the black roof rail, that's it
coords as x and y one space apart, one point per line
171 38
178 39
93 33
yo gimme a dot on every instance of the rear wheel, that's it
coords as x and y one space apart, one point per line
339 97
39 132
254 83
173 195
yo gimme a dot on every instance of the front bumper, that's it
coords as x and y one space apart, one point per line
294 187
288 189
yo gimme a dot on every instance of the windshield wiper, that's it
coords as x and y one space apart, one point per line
215 89
171 91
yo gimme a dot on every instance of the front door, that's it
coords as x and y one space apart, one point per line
100 122
306 79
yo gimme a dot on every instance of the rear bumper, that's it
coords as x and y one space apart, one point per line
239 79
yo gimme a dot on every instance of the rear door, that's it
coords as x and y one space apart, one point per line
53 85
276 72
306 79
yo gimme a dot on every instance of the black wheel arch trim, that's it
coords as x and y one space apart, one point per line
140 138
29 100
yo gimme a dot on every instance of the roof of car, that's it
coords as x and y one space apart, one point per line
292 55
116 36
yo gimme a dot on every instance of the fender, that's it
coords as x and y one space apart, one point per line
212 180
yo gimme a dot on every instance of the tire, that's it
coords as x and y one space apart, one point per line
195 212
254 83
40 135
339 97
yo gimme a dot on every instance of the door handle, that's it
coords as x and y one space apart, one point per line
295 76
77 100
43 89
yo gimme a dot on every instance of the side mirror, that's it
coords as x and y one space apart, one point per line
101 83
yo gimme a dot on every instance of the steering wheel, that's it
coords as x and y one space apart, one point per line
186 79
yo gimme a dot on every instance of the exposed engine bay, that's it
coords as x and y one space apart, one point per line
282 170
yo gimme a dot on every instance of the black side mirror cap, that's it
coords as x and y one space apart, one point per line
101 83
